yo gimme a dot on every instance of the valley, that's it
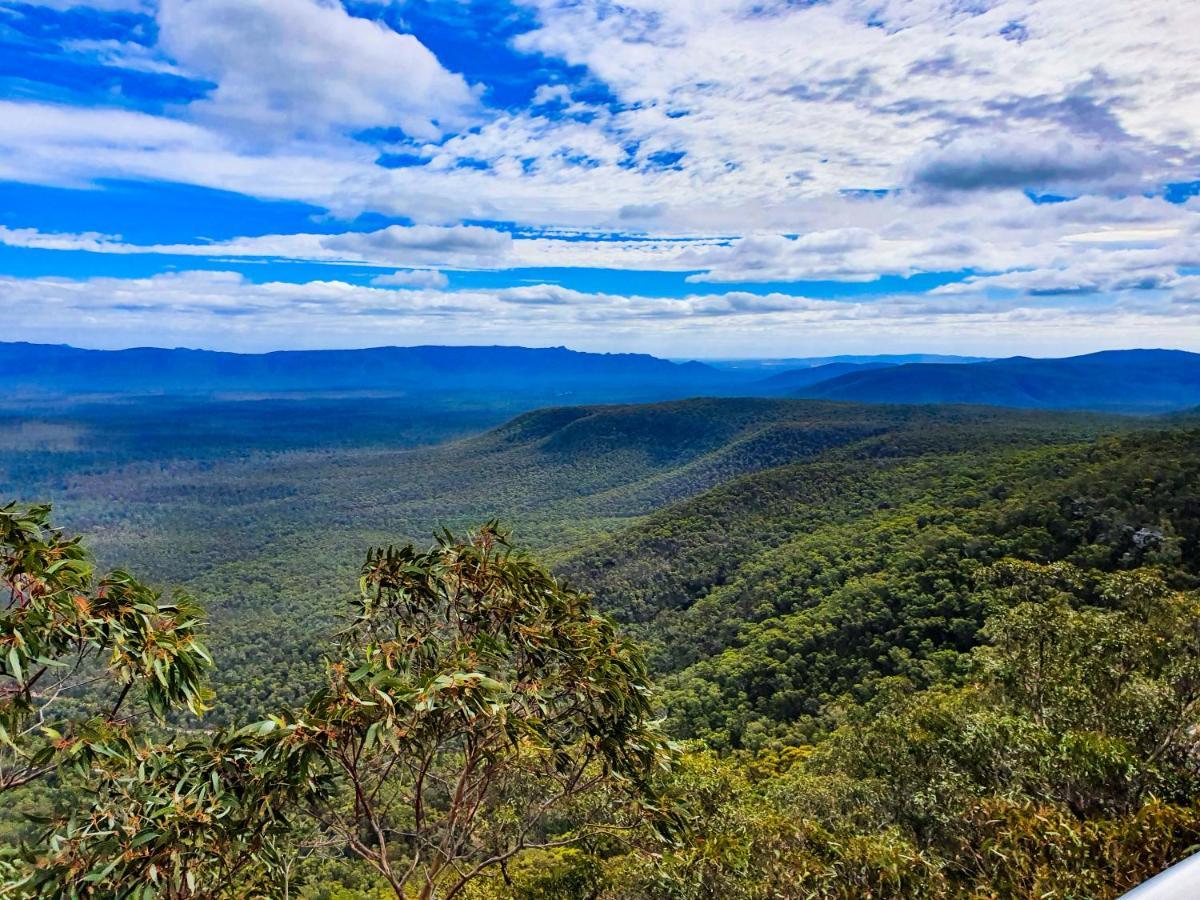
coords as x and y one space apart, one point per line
262 508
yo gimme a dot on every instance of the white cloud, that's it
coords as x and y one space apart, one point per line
1119 241
1002 161
774 115
42 143
1135 236
777 108
459 246
108 5
412 278
305 67
123 55
1187 291
845 94
222 309
467 244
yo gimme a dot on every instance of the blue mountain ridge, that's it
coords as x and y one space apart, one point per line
1111 380
1141 381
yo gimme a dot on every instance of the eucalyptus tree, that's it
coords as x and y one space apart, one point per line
475 708
478 708
83 659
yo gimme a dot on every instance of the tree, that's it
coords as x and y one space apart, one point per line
197 817
478 709
82 659
1067 765
1110 665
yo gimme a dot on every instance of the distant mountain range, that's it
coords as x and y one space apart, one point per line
417 370
763 366
1135 381
1114 380
794 379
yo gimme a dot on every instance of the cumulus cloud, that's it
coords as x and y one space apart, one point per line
771 138
284 67
877 85
45 143
736 142
461 246
817 254
1132 240
1094 270
466 244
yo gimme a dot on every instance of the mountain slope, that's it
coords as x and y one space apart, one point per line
1115 380
778 599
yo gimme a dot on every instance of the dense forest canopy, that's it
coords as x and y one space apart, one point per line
902 651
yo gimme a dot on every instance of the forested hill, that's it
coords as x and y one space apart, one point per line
1118 380
779 598
268 533
415 370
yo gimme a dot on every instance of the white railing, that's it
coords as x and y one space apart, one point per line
1180 882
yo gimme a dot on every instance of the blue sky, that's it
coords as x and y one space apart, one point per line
684 177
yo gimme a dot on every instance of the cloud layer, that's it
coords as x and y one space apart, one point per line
1026 153
225 310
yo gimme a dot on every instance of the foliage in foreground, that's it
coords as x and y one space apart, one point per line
484 735
82 659
1065 767
476 709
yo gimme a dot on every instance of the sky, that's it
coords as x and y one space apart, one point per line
690 178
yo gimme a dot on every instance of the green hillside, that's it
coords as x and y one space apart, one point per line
266 525
782 597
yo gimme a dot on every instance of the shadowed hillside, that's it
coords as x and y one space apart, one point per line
794 379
